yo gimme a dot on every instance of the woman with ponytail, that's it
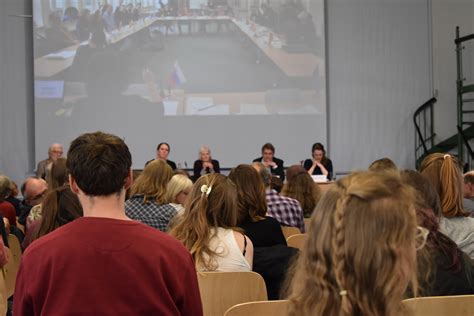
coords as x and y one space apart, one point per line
444 172
360 255
207 227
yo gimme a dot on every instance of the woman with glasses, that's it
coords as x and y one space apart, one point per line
443 268
360 255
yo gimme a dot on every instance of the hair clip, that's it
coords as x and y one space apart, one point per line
206 189
343 293
446 156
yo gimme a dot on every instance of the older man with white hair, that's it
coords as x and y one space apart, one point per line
469 192
55 152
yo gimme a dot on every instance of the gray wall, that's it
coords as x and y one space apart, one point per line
378 74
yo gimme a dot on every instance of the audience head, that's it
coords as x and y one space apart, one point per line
55 151
264 174
268 152
34 190
99 165
252 205
152 182
205 154
443 171
211 204
383 164
5 187
178 189
54 19
60 207
13 189
162 151
58 175
318 152
301 187
469 185
360 255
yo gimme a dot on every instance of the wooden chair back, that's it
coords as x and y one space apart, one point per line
9 272
297 241
15 247
441 305
262 308
289 231
222 290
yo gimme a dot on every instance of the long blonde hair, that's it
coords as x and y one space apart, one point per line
176 185
206 209
152 182
443 171
358 248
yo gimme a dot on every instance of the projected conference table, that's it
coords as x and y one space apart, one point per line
291 64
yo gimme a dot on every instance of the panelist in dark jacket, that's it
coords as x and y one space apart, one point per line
269 160
162 152
205 164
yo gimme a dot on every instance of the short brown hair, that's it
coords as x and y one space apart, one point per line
268 146
99 163
383 164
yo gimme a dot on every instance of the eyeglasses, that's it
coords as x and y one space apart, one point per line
420 237
39 196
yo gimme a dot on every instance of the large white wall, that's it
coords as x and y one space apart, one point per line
378 73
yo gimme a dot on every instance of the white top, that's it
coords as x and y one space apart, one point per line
229 256
461 231
179 208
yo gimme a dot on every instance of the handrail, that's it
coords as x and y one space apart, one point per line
423 107
466 141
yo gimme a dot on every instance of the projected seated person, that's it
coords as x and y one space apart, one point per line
319 164
57 35
162 152
106 105
205 164
84 53
84 25
269 160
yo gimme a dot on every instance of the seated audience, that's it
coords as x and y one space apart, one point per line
285 210
7 210
162 152
12 198
252 209
147 203
383 164
443 268
443 171
319 164
108 18
177 191
469 192
119 264
301 187
84 53
33 190
360 255
207 227
55 151
269 160
59 207
205 164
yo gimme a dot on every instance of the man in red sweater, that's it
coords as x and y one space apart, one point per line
105 263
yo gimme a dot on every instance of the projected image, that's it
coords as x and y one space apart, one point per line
165 58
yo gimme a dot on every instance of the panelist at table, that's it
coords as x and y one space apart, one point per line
205 164
319 164
162 152
269 160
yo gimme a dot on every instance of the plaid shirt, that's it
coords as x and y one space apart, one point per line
285 210
155 215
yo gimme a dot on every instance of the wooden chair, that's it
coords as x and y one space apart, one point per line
289 231
264 308
10 271
297 241
441 305
15 247
222 290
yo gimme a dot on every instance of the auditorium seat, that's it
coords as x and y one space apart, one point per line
297 241
9 272
263 308
290 231
441 305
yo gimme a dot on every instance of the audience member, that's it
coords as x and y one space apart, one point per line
319 164
443 171
207 227
106 258
108 18
301 187
162 152
55 151
205 164
147 203
60 207
33 190
12 198
360 255
383 164
252 209
443 269
57 34
177 191
269 160
84 54
469 192
6 208
285 210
